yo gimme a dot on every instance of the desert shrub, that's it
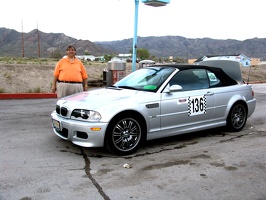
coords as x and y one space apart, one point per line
21 62
37 90
7 75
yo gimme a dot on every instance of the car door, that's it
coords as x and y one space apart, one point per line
190 107
222 97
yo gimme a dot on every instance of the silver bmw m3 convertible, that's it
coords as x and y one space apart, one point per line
154 102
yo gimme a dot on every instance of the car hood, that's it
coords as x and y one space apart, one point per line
94 99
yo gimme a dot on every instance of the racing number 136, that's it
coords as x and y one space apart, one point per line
196 105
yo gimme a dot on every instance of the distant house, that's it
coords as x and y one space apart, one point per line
241 58
85 57
123 57
191 61
255 61
262 63
100 58
89 57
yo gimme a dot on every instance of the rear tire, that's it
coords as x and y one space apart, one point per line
237 118
124 136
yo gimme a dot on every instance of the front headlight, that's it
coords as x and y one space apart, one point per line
87 115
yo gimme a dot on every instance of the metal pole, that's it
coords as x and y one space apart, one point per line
134 48
22 39
39 51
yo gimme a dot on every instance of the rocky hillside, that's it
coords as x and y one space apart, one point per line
11 45
191 48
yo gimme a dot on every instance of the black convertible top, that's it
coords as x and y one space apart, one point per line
223 77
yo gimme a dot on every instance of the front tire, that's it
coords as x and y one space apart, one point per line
123 136
237 117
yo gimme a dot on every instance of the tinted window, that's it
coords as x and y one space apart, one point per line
191 79
214 81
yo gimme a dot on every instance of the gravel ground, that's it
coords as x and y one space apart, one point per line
31 78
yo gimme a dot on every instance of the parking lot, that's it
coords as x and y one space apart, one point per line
213 164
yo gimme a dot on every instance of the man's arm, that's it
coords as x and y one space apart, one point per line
85 84
54 84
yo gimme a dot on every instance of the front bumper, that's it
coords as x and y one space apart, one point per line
79 132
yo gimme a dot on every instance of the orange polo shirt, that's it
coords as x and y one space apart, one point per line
74 71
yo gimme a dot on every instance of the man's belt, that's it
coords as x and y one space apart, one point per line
73 82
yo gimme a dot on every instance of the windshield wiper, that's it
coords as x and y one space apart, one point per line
113 87
128 87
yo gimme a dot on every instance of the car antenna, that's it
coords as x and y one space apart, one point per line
249 74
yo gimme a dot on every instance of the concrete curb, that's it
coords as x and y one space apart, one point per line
51 95
27 96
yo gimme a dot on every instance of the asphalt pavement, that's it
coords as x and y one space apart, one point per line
214 164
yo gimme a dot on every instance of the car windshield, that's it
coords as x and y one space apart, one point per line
147 79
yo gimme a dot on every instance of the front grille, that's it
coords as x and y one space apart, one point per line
63 133
57 109
61 111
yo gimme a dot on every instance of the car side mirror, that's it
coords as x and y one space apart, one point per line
173 88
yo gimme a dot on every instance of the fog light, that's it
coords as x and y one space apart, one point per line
82 135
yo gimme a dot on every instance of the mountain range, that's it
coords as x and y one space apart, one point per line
37 42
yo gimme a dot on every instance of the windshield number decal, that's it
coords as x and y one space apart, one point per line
196 105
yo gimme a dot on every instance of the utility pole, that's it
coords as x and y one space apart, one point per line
39 52
22 39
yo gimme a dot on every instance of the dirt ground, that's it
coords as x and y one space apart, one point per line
34 78
37 78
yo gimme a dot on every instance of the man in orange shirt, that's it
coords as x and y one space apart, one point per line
70 75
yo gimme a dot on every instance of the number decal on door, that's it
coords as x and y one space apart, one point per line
196 105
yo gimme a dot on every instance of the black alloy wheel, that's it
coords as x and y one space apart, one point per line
124 136
237 117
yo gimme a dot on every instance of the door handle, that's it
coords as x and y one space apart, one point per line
209 94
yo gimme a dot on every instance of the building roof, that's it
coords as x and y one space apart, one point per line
212 56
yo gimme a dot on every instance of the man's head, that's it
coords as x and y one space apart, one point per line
71 51
71 48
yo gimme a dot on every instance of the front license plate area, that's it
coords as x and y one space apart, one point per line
56 124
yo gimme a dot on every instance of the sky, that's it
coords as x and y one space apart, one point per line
110 20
